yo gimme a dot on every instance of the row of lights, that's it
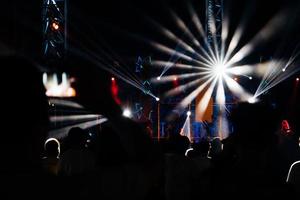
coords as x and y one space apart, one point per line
236 78
175 78
127 113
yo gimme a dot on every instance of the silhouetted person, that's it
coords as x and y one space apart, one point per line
215 148
202 169
288 148
51 158
77 165
253 172
77 160
26 117
178 169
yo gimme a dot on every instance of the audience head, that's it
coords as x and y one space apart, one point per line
179 144
202 147
215 147
52 147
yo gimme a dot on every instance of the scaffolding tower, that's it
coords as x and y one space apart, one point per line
214 19
54 18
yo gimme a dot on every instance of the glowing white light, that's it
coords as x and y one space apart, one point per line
188 113
45 78
127 113
60 133
157 99
64 79
252 100
158 78
250 77
74 118
219 70
283 69
220 97
240 70
55 89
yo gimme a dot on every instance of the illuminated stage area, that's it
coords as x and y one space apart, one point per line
185 57
172 99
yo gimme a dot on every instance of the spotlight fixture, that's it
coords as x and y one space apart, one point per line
127 113
55 25
188 113
252 100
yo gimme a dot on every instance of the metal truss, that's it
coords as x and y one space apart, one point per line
54 17
214 18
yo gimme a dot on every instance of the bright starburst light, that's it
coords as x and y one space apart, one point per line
213 67
210 69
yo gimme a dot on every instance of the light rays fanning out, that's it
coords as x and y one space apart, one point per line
214 71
